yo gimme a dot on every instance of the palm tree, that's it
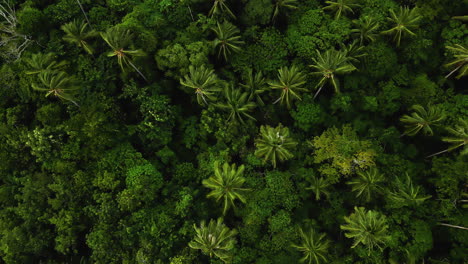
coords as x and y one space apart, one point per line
214 239
405 194
283 4
220 6
404 22
255 85
119 40
422 119
274 144
314 246
340 7
204 81
77 32
237 104
226 185
458 139
227 39
290 81
58 84
353 51
329 64
43 63
365 28
461 60
319 186
367 183
366 227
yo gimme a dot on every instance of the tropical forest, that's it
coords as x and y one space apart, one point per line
234 131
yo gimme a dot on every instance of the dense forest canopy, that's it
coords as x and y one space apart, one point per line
234 131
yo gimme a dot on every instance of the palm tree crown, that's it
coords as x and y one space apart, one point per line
227 39
367 183
422 119
365 28
458 139
237 104
319 186
274 144
77 32
58 84
220 6
403 23
314 246
283 4
366 227
214 239
255 85
226 185
290 82
340 7
461 60
204 81
405 194
329 64
43 63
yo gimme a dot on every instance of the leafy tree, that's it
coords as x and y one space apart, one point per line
327 65
119 40
41 62
204 81
314 246
214 239
422 119
458 139
283 4
405 194
461 58
290 81
220 6
237 104
274 144
77 32
319 186
366 29
367 183
57 84
403 23
255 85
227 39
366 227
340 7
226 185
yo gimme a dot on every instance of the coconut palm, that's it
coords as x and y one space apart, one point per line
58 84
204 81
40 62
340 7
458 139
254 86
403 23
367 183
290 81
227 39
119 40
237 104
274 144
77 32
422 119
314 247
460 62
365 29
220 6
366 227
320 187
214 239
283 4
329 64
406 194
226 185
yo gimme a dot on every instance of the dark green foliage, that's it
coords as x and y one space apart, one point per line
274 144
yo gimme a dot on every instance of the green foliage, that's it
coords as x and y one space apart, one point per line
403 23
237 104
461 57
227 39
40 62
308 114
405 194
226 184
314 247
254 86
204 81
281 6
214 239
367 183
274 144
459 137
77 33
320 187
366 227
422 119
366 29
340 7
290 82
220 7
57 84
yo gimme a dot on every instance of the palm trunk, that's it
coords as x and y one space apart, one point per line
84 13
453 226
136 69
440 152
318 91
